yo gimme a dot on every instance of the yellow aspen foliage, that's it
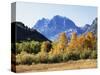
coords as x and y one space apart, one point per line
45 47
90 36
73 37
60 45
81 39
43 55
90 41
73 42
62 41
80 42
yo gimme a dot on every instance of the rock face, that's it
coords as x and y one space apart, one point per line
51 28
21 32
93 27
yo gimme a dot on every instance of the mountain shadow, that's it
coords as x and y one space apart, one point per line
21 32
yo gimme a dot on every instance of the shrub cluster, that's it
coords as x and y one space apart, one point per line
61 50
29 47
42 57
24 58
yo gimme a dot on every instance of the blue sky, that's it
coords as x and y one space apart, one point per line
30 13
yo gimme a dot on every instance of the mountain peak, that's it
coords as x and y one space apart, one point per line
87 25
54 26
43 19
93 27
58 16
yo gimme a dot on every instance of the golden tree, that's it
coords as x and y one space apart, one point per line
90 41
43 55
73 37
73 42
61 44
81 42
62 41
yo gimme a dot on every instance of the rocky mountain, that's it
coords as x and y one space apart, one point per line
93 27
22 32
51 28
86 26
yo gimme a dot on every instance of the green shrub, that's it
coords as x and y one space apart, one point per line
24 58
18 48
85 54
65 57
34 47
41 58
71 55
94 54
50 58
74 56
37 59
55 58
18 59
29 47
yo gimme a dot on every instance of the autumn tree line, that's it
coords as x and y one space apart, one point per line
61 50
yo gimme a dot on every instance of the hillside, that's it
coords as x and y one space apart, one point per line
25 33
